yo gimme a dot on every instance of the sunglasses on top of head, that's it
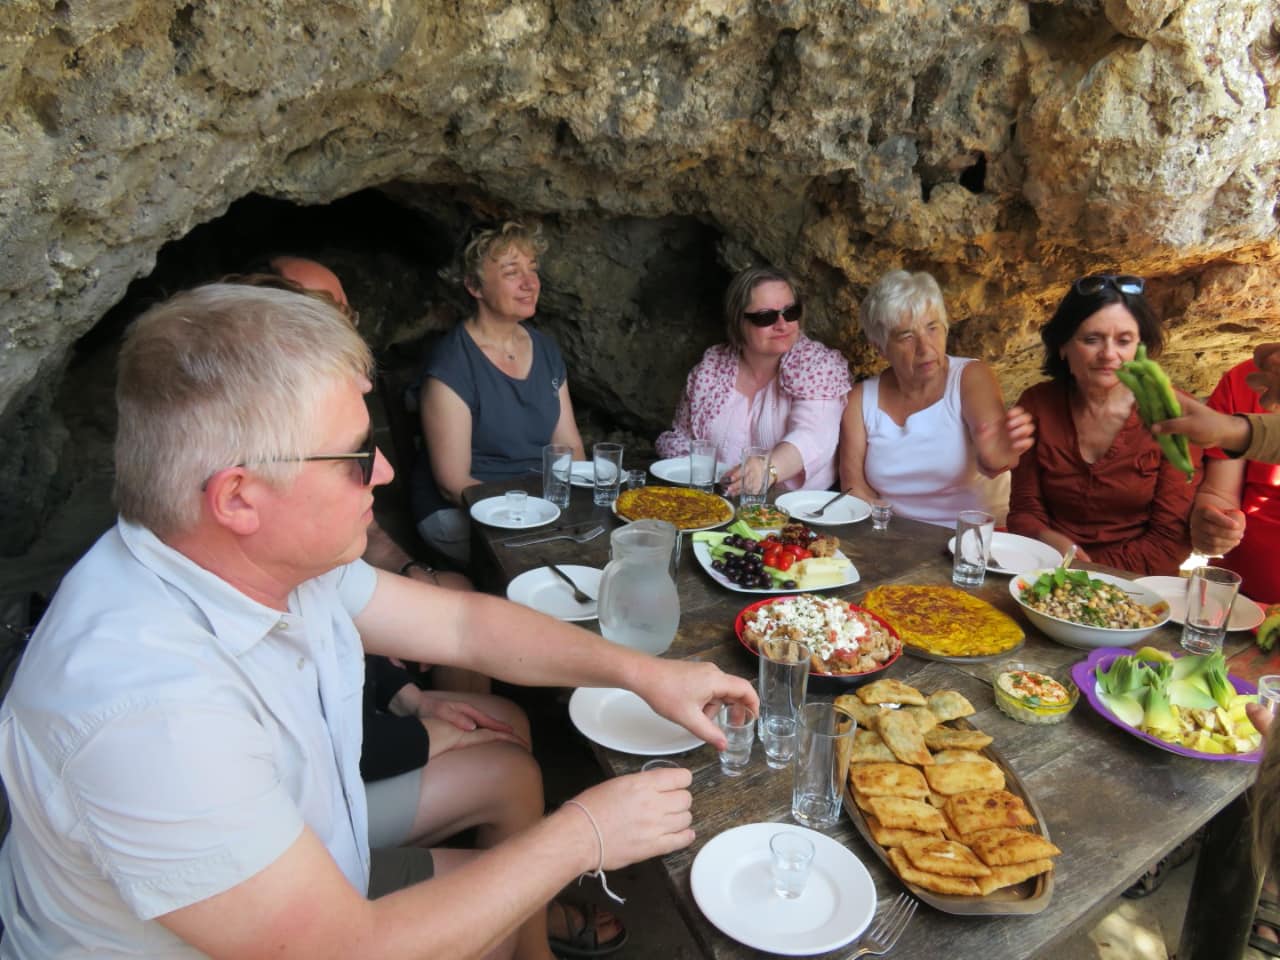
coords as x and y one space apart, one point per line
767 318
1120 282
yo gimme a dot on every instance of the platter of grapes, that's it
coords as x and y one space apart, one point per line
790 559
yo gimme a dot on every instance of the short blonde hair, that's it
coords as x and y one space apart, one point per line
218 376
489 243
896 297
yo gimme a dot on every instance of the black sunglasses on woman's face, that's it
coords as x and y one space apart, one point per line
767 318
1120 282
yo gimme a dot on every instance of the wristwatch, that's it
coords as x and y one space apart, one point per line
773 474
424 567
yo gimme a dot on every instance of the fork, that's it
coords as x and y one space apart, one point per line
814 514
578 593
888 928
575 537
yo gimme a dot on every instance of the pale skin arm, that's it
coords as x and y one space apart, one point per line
301 905
999 437
566 431
491 636
446 425
784 458
853 449
1217 523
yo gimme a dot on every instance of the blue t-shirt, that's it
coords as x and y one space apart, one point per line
511 419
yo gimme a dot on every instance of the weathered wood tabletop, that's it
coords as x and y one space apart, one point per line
1113 803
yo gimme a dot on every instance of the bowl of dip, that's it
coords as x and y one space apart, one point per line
1034 694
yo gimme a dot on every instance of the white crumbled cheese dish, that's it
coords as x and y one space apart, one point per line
827 625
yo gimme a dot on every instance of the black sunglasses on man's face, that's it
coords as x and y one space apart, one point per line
1120 282
366 455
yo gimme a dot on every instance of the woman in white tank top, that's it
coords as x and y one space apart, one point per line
930 434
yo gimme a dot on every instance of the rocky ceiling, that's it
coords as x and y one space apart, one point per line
1005 146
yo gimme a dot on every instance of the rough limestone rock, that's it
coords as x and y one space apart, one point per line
1005 146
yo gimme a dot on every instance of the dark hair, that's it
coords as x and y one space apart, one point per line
1076 308
738 296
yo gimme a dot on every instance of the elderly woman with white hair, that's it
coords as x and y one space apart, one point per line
931 432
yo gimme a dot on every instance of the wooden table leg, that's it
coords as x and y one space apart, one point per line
1224 891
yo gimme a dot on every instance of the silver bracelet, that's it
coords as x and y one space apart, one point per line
599 870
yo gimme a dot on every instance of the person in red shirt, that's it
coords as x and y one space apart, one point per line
1237 510
1096 477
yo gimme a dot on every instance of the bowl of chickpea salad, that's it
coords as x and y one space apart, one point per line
1085 610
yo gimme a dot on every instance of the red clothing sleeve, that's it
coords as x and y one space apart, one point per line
1128 510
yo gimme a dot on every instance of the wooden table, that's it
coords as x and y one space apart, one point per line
1113 803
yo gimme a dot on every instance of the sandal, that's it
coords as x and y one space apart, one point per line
1154 879
1266 915
583 939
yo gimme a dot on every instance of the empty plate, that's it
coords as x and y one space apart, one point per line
620 720
848 510
1245 614
542 590
1012 554
493 512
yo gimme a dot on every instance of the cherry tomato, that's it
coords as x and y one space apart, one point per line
797 551
785 560
771 557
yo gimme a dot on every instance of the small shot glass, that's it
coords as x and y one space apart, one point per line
1269 692
631 479
516 501
792 857
881 511
738 722
660 765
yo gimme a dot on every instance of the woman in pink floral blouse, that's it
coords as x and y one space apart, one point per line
769 386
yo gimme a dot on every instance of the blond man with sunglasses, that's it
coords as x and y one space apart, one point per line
180 745
768 386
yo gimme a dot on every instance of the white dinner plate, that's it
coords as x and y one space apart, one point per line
676 470
492 512
583 474
1012 554
620 720
547 593
1245 614
733 886
703 555
800 502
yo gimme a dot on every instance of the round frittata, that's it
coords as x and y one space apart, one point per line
944 621
684 507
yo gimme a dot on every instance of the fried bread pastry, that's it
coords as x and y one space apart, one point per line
893 836
957 886
888 690
1002 846
957 756
949 738
985 809
949 705
902 736
947 857
1008 876
953 778
890 780
869 748
868 716
924 718
904 814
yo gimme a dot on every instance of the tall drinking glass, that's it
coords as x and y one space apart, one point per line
607 460
974 530
702 465
822 762
1210 593
754 478
784 676
557 467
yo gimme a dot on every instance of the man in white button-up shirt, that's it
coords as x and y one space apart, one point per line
181 742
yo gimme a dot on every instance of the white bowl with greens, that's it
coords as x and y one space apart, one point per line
1087 610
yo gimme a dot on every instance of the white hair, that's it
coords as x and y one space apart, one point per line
899 297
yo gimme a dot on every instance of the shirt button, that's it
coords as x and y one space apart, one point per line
302 663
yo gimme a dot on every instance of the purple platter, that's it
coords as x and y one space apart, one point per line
1083 673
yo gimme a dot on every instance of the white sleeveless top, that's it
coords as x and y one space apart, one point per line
928 469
